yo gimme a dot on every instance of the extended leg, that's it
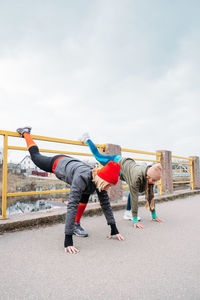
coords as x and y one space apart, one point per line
43 162
102 158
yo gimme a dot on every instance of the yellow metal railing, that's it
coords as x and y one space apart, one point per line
158 160
6 147
190 163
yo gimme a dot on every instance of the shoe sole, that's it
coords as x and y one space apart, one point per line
126 218
79 235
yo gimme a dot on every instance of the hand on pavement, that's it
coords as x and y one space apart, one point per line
137 225
118 236
157 220
71 250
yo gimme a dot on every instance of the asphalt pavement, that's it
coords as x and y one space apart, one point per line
161 261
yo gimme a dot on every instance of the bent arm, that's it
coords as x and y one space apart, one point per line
154 216
75 194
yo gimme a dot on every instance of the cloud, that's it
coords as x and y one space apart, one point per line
126 72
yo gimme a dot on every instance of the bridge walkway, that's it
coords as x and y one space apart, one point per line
160 262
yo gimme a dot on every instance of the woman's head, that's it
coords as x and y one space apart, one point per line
154 173
107 176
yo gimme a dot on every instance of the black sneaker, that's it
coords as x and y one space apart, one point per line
79 231
24 129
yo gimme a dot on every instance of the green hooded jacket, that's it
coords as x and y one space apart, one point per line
135 177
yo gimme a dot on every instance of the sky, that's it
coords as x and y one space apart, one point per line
125 71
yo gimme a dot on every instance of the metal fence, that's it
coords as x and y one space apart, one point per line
7 147
182 168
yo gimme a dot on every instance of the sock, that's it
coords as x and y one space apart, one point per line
29 141
80 211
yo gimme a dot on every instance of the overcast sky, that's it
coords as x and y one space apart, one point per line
125 71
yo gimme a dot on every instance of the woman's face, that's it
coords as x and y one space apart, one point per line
106 188
151 180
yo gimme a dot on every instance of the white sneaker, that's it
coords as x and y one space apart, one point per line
85 137
128 215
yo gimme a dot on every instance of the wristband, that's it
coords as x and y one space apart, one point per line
135 219
68 241
113 229
153 213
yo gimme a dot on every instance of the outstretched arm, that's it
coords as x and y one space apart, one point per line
134 207
75 195
107 210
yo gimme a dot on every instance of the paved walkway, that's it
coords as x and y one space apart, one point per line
160 262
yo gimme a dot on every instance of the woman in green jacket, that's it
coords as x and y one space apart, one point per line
139 178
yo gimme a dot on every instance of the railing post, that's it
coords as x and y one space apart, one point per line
158 157
167 179
5 164
195 173
115 192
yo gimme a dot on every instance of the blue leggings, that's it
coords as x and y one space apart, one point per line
128 204
104 159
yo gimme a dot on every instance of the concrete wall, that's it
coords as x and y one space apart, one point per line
196 172
115 192
166 162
